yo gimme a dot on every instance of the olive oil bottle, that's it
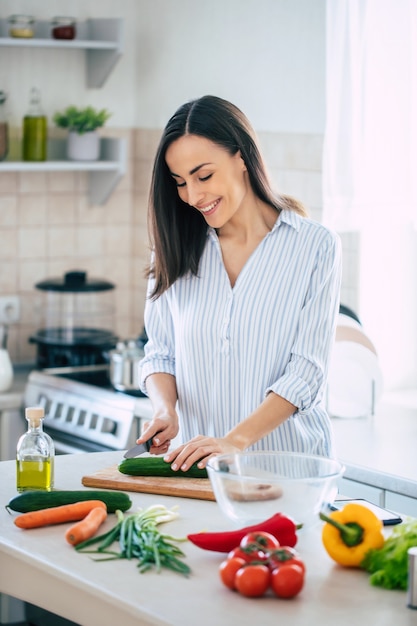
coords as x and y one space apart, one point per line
34 129
35 455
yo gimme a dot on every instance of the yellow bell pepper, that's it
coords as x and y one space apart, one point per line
350 533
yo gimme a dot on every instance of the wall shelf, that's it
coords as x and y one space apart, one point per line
102 40
103 174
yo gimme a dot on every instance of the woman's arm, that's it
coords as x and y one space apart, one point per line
162 391
272 412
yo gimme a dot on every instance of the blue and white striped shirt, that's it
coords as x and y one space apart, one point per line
273 331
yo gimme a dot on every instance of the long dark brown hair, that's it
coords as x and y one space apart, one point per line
177 231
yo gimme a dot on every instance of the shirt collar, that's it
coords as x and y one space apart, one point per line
290 217
287 216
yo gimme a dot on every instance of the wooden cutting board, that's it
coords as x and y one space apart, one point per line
111 478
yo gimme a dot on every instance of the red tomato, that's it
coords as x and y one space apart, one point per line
240 553
249 554
262 540
285 556
287 580
252 580
228 569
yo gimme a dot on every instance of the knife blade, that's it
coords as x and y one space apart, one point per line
138 449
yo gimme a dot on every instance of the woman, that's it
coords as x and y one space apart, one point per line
242 302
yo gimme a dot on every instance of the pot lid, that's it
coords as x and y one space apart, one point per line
74 281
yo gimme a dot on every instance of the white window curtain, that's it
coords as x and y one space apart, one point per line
370 156
370 165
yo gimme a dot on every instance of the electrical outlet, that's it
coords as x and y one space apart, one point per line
9 309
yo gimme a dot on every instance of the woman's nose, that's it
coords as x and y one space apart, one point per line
194 195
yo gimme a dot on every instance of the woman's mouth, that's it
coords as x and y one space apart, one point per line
210 208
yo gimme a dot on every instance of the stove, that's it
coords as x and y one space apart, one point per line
82 417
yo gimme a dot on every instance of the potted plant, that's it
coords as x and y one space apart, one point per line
83 139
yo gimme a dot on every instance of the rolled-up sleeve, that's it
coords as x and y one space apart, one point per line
159 350
303 381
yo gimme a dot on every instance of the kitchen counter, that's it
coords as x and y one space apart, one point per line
40 567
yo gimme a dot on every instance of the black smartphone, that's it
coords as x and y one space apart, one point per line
387 517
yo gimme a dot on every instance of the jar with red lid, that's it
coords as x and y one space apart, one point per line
63 28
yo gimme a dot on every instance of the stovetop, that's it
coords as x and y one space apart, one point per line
85 415
97 375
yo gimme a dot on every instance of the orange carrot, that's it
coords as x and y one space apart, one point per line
58 514
87 527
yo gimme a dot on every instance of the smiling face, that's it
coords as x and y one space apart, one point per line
208 177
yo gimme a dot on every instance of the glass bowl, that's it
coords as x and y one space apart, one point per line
249 487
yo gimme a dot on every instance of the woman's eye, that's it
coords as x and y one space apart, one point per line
179 184
204 178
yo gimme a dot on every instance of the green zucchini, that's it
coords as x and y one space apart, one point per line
156 466
36 500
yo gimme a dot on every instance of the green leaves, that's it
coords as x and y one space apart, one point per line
81 120
388 565
139 538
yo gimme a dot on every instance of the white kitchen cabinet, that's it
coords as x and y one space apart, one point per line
402 504
103 174
354 489
102 40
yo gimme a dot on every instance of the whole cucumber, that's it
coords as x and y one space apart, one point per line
156 466
36 500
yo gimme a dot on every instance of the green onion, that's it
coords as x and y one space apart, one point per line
139 538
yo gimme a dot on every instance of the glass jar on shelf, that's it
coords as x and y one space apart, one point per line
21 26
63 27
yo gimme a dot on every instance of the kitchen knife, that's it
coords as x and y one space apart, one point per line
139 448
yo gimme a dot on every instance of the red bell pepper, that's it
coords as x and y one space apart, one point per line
282 527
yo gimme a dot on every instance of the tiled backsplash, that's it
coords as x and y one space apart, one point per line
48 227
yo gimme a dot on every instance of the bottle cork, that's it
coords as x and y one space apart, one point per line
34 414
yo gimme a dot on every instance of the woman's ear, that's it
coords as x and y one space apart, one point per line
244 168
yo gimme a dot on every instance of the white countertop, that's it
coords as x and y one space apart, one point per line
381 449
40 567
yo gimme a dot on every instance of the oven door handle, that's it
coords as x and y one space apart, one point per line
80 369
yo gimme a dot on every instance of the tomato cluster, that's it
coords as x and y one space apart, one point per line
260 563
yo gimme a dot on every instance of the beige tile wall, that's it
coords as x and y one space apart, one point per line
48 226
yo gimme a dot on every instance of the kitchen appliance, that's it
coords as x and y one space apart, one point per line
124 365
78 321
82 417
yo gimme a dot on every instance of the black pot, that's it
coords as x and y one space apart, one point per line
79 318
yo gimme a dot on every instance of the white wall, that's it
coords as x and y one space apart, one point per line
267 56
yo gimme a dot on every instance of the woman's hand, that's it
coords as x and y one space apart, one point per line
163 427
161 430
198 450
